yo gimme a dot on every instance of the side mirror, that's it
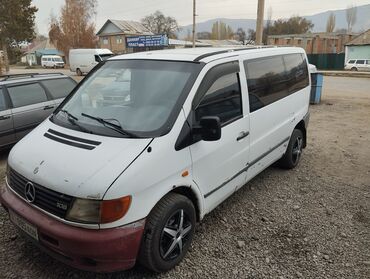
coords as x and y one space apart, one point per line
209 128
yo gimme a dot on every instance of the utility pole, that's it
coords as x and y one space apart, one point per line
194 15
259 26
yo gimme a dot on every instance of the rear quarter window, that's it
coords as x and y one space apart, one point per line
296 72
59 88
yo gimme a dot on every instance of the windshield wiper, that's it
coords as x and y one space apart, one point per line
110 125
73 120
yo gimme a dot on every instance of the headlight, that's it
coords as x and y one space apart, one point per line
95 212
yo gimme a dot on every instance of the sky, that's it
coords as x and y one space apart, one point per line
182 9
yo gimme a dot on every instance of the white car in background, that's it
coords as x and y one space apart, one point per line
358 65
82 61
52 61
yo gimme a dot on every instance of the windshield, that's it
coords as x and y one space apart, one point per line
141 97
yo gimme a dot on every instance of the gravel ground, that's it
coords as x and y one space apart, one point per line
311 222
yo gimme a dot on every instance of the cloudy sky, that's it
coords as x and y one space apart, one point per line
182 9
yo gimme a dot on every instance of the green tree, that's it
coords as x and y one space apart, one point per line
293 25
75 27
158 23
17 21
241 35
351 17
221 31
330 24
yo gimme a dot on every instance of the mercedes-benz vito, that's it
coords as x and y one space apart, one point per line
148 144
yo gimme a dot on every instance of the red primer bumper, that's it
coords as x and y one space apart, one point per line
101 250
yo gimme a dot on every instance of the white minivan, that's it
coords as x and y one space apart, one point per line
358 65
82 61
148 144
52 61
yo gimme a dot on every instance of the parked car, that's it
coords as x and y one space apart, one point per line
129 179
84 60
52 61
358 65
26 100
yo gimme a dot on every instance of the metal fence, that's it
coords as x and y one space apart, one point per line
327 61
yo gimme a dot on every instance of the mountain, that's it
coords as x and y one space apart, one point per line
319 20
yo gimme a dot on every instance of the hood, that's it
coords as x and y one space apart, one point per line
71 162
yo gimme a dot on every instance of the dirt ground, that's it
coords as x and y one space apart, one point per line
310 222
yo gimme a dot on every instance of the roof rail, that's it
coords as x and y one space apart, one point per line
229 51
31 75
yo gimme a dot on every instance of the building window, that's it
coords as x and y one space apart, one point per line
288 41
105 40
299 42
119 40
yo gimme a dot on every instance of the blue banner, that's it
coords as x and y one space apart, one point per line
147 41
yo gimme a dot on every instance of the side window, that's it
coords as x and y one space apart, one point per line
351 61
2 100
222 99
23 95
296 71
360 62
59 88
266 80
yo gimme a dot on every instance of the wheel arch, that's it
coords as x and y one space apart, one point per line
192 195
302 127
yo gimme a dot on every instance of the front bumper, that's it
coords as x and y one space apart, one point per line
104 250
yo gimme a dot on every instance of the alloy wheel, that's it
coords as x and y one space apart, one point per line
175 235
297 150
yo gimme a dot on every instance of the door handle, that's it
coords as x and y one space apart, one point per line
5 117
242 135
48 107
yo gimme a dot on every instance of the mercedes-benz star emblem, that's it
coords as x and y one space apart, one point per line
29 192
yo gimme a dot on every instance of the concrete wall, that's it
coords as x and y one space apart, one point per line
315 44
357 52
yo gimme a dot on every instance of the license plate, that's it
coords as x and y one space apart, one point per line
24 225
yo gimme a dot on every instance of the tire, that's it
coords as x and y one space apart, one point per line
294 150
160 249
79 73
354 69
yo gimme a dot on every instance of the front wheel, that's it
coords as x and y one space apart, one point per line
294 150
168 233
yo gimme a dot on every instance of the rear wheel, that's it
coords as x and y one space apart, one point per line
354 69
79 73
294 150
168 233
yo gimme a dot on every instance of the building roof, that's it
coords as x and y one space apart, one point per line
205 54
312 35
360 40
44 48
126 27
220 43
176 42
